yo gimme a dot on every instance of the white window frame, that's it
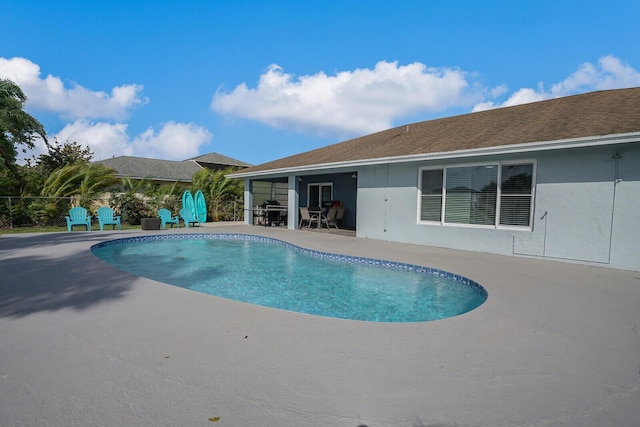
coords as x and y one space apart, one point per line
496 224
319 185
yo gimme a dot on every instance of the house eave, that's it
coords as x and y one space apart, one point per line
528 147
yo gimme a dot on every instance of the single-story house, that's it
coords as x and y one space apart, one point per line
557 179
168 171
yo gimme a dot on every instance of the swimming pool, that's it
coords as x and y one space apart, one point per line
273 273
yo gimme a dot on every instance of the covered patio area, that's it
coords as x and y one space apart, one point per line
277 200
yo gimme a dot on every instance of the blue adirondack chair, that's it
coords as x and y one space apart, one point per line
188 217
78 216
167 218
106 217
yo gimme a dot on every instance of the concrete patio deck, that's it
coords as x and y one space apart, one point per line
84 344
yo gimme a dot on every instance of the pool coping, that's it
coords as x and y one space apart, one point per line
83 344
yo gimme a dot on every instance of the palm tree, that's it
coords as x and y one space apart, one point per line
96 180
218 189
132 186
82 180
62 182
165 196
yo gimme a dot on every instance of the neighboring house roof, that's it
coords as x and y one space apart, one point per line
214 160
155 169
556 123
168 170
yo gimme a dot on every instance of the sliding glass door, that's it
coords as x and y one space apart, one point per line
320 194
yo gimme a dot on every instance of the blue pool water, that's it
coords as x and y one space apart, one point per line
273 273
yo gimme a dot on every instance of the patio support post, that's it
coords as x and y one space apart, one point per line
293 199
248 202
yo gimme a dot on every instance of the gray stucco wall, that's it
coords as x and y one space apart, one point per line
586 208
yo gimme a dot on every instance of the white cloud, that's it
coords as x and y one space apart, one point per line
88 113
349 102
76 102
104 139
174 141
367 100
609 73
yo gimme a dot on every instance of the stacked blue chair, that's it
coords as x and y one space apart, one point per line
188 217
200 206
167 218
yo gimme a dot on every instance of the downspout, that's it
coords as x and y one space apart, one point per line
616 180
386 199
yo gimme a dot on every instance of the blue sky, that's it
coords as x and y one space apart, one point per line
260 80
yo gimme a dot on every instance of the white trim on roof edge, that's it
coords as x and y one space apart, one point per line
593 141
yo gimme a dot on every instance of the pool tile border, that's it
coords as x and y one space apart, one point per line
326 255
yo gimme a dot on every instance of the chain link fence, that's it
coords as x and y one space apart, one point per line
50 212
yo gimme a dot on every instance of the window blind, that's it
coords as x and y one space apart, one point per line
516 194
431 201
471 194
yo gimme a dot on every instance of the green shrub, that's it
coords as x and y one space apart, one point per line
130 207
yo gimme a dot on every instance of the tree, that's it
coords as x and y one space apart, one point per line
38 169
59 155
17 128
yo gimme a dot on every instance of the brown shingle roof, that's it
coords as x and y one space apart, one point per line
156 169
219 159
166 170
592 114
